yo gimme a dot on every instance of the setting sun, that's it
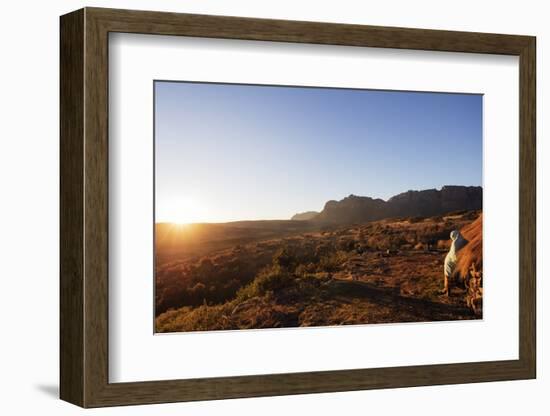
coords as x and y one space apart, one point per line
182 211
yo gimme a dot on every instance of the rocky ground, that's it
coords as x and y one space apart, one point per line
380 272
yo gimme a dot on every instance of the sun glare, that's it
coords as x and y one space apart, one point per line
183 211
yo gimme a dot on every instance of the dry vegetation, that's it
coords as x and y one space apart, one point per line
384 271
470 265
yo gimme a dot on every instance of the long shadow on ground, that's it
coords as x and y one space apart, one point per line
424 309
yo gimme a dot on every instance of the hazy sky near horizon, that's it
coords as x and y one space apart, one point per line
226 152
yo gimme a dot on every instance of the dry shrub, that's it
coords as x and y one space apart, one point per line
270 279
470 265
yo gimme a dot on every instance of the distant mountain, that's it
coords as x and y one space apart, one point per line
434 202
429 202
304 216
353 209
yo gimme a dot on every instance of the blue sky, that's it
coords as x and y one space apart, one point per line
226 152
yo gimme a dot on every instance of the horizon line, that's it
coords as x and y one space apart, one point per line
310 210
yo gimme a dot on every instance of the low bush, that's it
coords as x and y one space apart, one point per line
271 279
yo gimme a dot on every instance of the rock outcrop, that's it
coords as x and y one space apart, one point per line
352 209
304 216
429 202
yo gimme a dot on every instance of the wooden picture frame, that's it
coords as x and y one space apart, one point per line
84 207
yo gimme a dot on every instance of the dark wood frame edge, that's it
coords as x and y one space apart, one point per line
84 207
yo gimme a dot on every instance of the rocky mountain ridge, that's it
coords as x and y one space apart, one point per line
424 203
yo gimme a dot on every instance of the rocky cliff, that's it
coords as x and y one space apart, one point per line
429 202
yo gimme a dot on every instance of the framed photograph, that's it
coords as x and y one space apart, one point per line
254 207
